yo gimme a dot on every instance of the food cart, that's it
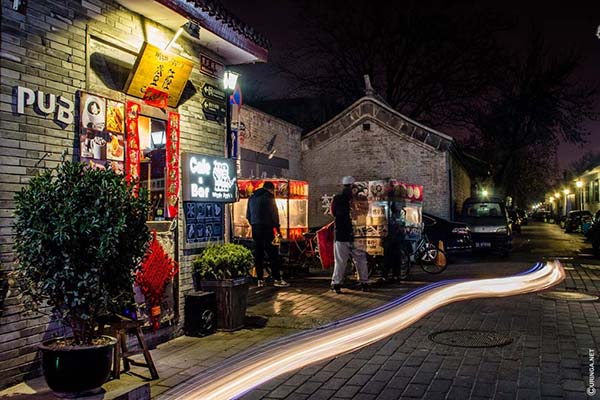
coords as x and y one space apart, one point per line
385 207
291 197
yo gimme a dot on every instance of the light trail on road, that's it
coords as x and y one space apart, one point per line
250 369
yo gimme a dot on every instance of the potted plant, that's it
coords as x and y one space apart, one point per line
224 269
80 234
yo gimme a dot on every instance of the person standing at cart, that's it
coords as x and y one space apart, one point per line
344 246
263 216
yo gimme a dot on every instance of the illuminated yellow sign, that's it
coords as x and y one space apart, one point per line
160 70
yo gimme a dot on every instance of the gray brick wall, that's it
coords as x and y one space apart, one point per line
260 128
392 148
45 49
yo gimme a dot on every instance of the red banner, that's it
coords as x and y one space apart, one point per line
172 178
132 161
156 98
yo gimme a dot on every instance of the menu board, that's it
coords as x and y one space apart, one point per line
102 132
204 222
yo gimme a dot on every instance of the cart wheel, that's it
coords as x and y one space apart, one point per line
432 259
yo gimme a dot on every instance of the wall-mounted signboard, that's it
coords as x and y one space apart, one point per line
211 67
208 178
214 110
203 221
160 71
213 92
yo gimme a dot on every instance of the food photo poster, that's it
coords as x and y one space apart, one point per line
102 133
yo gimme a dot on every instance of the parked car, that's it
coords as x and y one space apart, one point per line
515 220
455 235
575 220
489 223
542 216
523 215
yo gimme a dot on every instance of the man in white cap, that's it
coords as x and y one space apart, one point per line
344 247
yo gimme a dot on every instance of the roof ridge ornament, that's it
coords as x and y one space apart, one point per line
369 91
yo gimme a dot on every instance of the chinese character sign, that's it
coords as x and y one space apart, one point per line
157 71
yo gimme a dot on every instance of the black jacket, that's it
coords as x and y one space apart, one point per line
262 210
340 209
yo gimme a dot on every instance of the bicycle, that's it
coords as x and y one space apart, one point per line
430 257
308 256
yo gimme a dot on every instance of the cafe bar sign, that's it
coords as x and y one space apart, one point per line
208 178
158 76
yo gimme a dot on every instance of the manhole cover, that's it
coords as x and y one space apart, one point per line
470 338
569 296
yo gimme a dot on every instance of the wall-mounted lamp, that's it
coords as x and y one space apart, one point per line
192 29
271 146
158 139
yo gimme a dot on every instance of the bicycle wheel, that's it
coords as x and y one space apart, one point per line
432 259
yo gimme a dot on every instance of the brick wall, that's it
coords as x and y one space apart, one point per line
46 49
259 129
390 148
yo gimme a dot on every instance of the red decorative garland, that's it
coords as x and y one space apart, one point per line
156 272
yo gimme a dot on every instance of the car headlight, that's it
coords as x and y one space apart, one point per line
502 230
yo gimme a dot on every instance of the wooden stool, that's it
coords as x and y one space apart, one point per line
121 326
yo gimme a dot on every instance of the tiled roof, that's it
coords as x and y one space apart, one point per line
220 13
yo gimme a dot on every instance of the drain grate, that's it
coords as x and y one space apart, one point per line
471 338
568 296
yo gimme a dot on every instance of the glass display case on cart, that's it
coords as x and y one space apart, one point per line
291 197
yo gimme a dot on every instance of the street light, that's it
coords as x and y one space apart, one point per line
229 82
579 185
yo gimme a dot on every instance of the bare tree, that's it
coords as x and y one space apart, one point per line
537 104
425 59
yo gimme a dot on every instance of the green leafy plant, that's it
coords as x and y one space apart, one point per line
223 261
80 235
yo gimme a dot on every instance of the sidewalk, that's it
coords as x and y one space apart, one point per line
548 358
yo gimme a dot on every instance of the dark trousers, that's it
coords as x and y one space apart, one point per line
263 236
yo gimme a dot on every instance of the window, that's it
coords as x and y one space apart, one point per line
153 140
479 210
596 191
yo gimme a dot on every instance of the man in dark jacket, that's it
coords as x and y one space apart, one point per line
344 246
264 218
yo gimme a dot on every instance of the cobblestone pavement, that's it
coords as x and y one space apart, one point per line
548 356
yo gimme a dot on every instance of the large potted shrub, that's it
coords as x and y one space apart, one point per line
80 234
224 269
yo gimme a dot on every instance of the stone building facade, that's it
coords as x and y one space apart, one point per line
65 47
261 135
370 140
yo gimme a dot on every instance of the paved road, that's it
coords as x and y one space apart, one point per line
548 357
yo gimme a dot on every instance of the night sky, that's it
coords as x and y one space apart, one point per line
563 27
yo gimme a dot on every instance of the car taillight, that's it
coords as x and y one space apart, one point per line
461 231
